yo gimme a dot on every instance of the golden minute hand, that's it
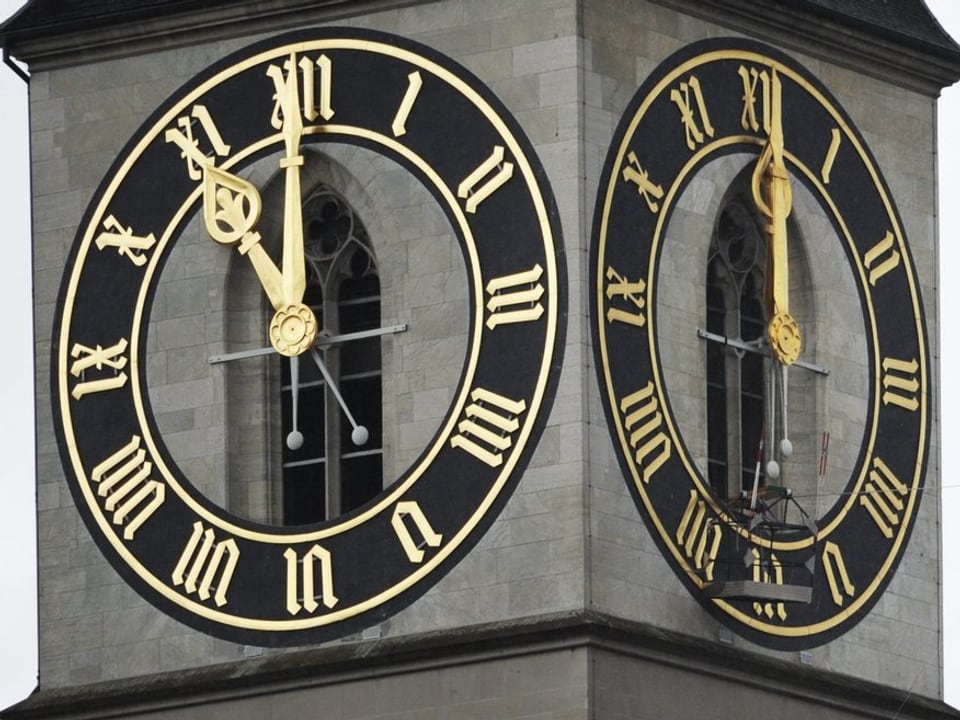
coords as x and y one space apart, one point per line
293 266
293 328
773 197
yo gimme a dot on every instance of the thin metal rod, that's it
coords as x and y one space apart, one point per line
322 341
333 386
756 471
754 347
784 399
295 390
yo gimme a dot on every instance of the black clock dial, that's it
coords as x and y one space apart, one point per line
788 543
266 584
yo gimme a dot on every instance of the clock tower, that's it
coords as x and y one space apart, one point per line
508 359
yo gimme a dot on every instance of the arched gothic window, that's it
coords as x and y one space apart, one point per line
735 379
330 474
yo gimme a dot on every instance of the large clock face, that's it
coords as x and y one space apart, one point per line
226 173
760 343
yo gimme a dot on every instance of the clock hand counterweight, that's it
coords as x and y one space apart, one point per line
360 434
779 386
295 437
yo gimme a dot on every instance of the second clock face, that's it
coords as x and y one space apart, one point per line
308 338
781 483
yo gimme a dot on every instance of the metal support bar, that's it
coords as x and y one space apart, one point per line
755 347
322 341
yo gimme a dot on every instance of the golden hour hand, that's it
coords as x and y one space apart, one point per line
231 210
773 197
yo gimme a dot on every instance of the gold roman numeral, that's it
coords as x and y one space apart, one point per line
99 358
316 81
184 138
631 293
131 246
409 510
831 156
489 423
900 383
646 188
471 188
414 83
883 497
688 98
302 580
881 258
317 104
643 420
836 571
769 571
752 78
206 566
124 480
515 298
698 536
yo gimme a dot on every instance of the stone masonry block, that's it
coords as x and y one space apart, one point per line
430 17
545 56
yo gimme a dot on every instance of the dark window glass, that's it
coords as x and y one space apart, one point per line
735 380
331 474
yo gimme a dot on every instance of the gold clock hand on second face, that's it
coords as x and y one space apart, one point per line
360 434
773 197
295 437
